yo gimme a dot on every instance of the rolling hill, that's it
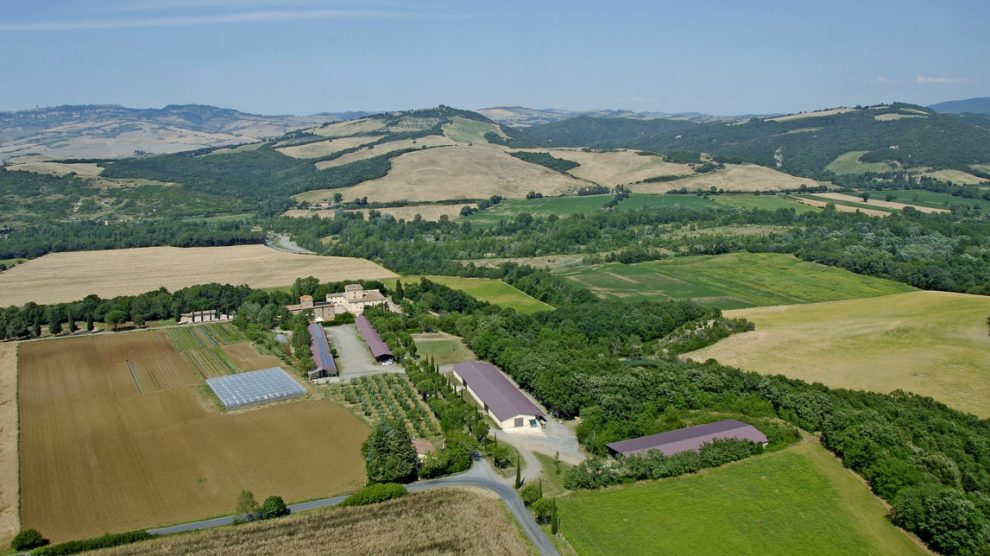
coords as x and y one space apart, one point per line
978 105
112 131
902 135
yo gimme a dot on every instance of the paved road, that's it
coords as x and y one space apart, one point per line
481 475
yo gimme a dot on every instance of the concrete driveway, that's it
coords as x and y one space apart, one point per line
353 356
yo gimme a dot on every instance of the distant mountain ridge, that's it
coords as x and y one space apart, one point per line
521 116
114 131
978 105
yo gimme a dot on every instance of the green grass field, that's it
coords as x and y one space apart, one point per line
854 204
849 163
493 291
637 200
732 280
443 348
932 199
929 343
796 501
561 206
765 202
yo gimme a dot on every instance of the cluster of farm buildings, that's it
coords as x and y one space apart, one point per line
499 397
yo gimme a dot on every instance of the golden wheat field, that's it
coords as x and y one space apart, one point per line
330 146
446 521
926 342
117 434
384 148
352 127
9 518
734 177
840 208
461 173
619 167
64 277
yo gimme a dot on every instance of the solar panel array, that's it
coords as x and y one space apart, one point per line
255 387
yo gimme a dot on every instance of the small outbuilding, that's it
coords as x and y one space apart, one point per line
319 346
690 438
379 350
501 399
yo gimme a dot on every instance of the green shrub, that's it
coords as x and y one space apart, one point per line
105 541
373 494
543 509
273 507
28 539
531 493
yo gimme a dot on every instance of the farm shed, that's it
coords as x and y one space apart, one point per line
690 438
502 400
379 350
322 356
255 387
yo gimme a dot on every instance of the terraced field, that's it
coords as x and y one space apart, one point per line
930 343
731 281
796 501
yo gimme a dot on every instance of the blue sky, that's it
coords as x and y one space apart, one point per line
299 56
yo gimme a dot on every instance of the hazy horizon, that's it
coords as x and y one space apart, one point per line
306 56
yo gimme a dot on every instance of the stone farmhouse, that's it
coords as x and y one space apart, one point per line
352 300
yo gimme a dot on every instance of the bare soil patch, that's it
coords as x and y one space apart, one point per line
461 173
9 492
98 456
64 277
734 177
445 521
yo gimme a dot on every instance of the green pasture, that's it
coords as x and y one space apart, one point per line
493 291
765 202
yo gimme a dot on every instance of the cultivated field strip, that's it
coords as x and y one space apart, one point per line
98 456
446 521
389 396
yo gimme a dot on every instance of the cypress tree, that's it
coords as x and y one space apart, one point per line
518 473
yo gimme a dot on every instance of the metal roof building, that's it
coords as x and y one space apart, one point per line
690 438
371 337
503 401
255 387
320 348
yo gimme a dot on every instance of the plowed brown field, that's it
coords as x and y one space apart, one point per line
115 436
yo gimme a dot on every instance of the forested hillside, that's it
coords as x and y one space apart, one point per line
911 136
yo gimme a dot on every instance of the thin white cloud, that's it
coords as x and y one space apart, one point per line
187 20
938 80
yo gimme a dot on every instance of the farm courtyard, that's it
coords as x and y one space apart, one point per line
118 433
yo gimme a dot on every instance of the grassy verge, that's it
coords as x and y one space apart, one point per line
795 501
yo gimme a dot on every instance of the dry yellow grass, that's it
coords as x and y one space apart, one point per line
99 454
461 173
893 116
815 114
446 521
40 165
734 177
324 148
617 167
64 277
930 343
877 202
9 486
840 208
352 127
385 148
957 177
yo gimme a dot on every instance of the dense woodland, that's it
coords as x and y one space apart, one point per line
931 462
806 145
931 251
